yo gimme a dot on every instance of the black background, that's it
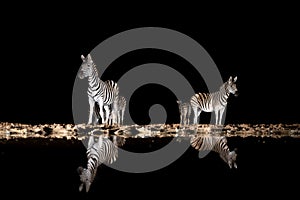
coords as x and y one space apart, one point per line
42 56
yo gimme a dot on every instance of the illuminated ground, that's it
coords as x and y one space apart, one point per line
71 131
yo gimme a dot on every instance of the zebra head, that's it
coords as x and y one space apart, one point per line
85 178
86 67
231 86
231 159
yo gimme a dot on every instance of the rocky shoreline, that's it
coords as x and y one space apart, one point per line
79 131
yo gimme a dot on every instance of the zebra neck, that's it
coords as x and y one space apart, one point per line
94 79
224 94
92 169
94 82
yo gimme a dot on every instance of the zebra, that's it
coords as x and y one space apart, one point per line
216 101
217 144
111 106
118 109
98 152
185 112
102 93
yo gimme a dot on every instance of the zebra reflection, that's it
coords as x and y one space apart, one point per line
100 150
216 143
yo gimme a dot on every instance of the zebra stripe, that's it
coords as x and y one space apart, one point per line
217 101
98 91
118 109
185 112
98 152
217 144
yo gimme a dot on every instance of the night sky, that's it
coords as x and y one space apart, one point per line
41 61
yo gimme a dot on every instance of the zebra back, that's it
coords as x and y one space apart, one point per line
110 92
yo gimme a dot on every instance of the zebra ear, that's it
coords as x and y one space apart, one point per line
230 79
235 78
87 186
80 187
82 57
89 57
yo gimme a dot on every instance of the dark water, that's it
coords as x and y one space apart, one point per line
42 168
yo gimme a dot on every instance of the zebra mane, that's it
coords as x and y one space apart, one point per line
95 69
224 86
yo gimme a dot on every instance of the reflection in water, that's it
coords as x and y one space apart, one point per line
205 143
100 150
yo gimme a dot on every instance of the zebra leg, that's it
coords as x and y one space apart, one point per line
221 115
198 117
181 120
92 104
96 114
188 115
119 117
195 110
122 116
96 120
184 117
217 117
107 113
116 117
110 118
101 110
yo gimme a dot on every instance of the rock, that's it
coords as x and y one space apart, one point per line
47 131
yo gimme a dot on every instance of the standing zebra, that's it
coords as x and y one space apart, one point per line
118 109
185 112
97 108
98 152
217 144
99 92
216 101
